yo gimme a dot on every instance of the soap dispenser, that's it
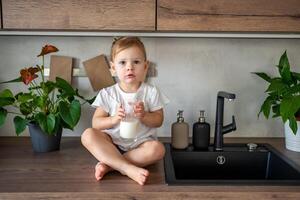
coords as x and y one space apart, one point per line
201 133
180 132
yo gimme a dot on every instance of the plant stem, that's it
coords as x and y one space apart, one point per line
34 84
42 72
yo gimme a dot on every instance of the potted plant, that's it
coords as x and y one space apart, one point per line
46 108
283 100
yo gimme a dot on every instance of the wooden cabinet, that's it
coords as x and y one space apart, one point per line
79 14
229 15
151 15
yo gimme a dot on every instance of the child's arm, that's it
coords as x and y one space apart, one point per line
150 119
101 119
153 119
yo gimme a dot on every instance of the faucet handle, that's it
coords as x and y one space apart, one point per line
230 127
233 123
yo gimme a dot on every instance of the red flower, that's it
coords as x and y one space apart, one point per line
48 49
28 75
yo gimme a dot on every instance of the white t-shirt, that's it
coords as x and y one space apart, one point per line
111 97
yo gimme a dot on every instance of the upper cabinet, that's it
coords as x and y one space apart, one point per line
229 15
153 15
79 14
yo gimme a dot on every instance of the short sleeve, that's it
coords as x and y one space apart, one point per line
101 101
157 100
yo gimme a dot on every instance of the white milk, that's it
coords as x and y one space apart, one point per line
129 128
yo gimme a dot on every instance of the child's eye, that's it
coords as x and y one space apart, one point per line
136 62
122 62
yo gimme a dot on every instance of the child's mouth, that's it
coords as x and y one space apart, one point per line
130 76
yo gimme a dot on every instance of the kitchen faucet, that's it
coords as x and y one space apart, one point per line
220 130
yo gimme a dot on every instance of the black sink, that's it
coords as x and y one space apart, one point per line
234 165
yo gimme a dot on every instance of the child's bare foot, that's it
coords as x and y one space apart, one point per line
100 170
138 174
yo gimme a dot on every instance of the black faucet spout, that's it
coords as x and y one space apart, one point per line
220 130
226 95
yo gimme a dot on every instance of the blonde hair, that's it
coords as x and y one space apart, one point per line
121 43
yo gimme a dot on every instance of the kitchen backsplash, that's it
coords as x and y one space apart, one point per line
190 71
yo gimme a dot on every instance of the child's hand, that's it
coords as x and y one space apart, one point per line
139 109
120 114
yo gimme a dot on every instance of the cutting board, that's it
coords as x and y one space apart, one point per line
97 70
61 66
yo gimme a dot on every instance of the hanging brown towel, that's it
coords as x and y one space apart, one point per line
61 66
97 69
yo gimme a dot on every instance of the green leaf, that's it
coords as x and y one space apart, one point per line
58 123
47 123
24 97
276 110
277 86
289 106
263 76
20 124
48 87
6 94
26 108
50 123
282 61
65 125
294 90
40 102
296 75
6 98
266 107
13 81
65 86
41 118
70 112
293 124
284 68
3 114
6 101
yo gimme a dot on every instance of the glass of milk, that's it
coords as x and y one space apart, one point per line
129 128
129 125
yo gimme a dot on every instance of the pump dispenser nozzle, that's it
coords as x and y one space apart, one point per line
202 118
180 116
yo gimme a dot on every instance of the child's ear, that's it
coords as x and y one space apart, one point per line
147 65
112 69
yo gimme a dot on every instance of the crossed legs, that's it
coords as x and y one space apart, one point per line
131 163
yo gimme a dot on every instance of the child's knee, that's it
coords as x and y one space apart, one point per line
87 136
156 150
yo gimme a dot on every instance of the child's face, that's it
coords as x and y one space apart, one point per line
130 66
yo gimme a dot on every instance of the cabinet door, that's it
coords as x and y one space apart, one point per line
229 15
79 14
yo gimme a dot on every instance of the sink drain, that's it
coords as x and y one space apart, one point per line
221 160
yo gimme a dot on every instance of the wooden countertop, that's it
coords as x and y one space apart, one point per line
69 174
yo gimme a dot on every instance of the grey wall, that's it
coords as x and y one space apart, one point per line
190 71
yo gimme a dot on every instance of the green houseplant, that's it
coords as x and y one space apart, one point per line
50 105
283 100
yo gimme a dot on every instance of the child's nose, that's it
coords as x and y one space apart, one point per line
129 66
